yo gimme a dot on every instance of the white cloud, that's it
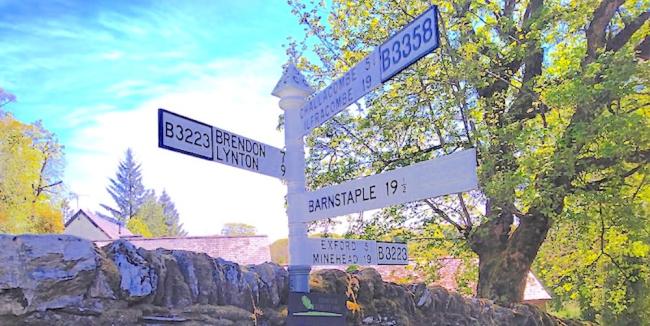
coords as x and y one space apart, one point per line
232 94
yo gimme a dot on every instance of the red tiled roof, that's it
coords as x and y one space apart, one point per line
243 249
110 228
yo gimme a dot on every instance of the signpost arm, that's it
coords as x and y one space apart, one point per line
293 90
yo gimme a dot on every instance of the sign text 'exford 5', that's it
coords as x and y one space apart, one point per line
191 137
419 38
445 175
325 251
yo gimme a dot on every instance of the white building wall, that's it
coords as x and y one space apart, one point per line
83 228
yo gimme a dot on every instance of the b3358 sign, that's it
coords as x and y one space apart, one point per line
419 38
414 41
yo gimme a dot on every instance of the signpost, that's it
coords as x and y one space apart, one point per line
445 175
327 251
449 174
417 39
191 137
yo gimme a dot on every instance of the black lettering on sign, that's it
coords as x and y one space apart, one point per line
197 136
207 140
169 129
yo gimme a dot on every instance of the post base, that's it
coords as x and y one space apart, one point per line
299 278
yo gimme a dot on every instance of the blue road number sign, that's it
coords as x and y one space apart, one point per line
414 41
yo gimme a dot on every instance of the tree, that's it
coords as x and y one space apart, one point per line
154 216
139 227
238 229
280 251
172 218
126 190
554 100
150 220
601 264
31 166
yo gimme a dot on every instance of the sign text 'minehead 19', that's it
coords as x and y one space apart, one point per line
324 251
188 136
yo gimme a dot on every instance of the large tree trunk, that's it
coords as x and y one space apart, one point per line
506 257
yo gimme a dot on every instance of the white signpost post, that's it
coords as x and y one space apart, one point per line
451 174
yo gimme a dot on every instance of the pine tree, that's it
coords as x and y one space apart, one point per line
172 219
126 190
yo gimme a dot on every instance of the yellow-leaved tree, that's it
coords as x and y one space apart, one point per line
31 163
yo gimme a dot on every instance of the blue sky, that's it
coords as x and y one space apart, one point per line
65 56
95 72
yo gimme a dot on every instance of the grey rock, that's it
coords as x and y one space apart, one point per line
137 278
39 273
63 280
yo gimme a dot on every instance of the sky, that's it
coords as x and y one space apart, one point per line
96 72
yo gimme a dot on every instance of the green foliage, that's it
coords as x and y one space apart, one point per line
599 256
554 96
152 214
172 218
280 251
144 213
137 226
126 189
238 229
31 165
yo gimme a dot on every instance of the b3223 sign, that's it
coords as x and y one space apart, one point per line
188 136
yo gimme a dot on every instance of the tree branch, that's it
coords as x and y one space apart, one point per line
445 217
643 49
51 185
465 212
587 163
596 30
597 184
623 36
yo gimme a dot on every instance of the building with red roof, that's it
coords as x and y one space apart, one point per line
87 225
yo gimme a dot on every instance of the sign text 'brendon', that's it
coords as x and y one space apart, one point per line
238 151
191 137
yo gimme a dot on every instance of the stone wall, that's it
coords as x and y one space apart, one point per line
242 249
63 280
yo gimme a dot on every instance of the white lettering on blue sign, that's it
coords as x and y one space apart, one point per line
414 41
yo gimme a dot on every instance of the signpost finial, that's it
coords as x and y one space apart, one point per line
292 83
